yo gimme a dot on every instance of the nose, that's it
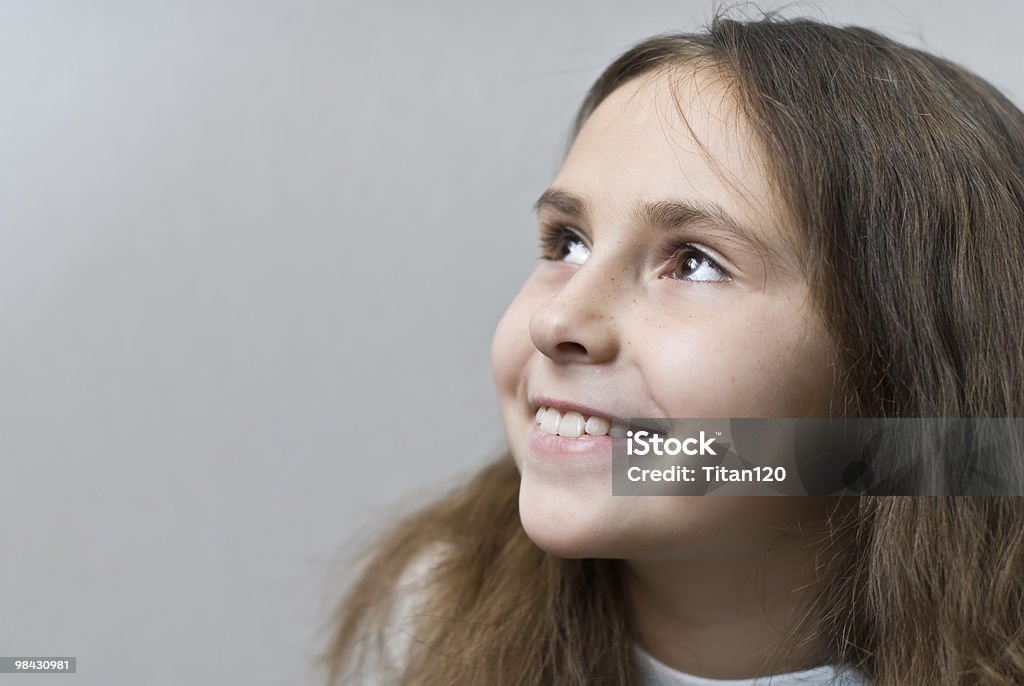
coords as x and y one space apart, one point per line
578 322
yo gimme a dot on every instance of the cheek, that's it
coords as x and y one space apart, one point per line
511 348
754 362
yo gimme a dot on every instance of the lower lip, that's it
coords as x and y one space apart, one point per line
543 443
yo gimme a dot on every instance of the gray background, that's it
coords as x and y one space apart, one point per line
251 255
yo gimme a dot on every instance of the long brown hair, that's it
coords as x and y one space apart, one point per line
904 174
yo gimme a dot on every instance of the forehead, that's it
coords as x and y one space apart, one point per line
676 135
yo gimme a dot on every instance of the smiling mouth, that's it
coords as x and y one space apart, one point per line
573 424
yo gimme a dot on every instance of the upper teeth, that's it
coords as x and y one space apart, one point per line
573 424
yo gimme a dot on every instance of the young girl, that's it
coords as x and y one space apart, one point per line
773 218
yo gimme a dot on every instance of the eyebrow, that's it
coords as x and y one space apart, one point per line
666 215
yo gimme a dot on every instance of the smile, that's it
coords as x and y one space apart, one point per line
573 424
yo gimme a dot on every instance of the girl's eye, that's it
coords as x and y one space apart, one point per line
692 264
562 244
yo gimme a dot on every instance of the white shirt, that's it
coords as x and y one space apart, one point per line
660 674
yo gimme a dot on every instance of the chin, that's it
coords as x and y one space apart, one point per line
567 525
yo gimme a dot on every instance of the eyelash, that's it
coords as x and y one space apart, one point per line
551 244
552 247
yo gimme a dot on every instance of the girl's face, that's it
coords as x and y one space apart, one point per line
666 291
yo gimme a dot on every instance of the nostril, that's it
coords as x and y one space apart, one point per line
571 348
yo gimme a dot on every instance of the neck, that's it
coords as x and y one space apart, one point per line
728 618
